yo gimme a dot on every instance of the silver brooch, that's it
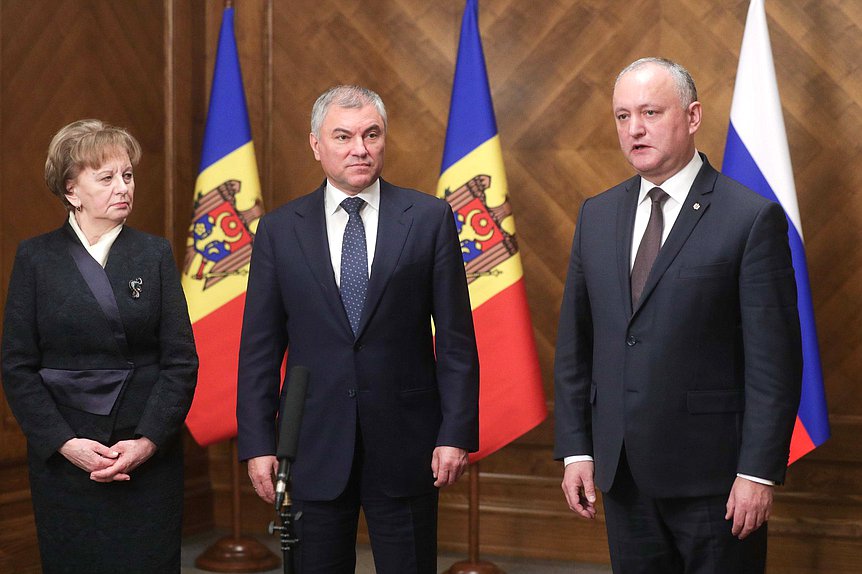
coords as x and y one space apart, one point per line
135 287
696 206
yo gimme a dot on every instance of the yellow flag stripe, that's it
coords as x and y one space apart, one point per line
238 165
487 159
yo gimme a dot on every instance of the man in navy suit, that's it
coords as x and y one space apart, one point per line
678 365
348 280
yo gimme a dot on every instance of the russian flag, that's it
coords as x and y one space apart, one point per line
757 155
227 207
473 181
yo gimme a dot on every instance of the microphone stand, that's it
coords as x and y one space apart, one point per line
288 444
287 535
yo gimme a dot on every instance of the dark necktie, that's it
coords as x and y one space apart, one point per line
354 263
650 244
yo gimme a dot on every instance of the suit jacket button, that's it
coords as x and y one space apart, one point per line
351 393
631 341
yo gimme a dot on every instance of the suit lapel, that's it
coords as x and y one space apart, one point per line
393 226
120 267
625 228
685 223
313 241
108 291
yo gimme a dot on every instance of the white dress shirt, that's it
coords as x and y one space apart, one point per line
677 188
336 222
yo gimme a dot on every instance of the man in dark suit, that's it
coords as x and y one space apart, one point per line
348 280
678 365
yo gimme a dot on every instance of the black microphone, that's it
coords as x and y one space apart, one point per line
289 421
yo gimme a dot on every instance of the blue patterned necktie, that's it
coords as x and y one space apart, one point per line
354 262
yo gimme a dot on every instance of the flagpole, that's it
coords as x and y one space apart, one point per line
237 553
473 565
472 180
233 189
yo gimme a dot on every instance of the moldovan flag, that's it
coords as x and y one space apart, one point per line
757 155
473 181
227 206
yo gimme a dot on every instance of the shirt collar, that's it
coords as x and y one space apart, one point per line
334 196
678 185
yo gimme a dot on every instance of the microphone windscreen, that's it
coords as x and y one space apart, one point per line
291 414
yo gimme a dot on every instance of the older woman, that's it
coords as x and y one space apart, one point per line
99 367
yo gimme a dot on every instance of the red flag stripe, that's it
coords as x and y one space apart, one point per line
511 400
800 443
213 414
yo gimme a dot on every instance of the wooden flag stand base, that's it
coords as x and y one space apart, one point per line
473 565
237 553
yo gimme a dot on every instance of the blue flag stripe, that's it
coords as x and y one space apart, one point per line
227 127
471 112
739 165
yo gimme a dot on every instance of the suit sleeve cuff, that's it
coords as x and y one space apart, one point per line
756 479
576 458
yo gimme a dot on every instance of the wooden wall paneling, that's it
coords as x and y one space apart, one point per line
60 62
17 527
551 73
133 64
48 79
822 99
253 30
184 104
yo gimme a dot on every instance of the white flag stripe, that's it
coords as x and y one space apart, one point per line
756 112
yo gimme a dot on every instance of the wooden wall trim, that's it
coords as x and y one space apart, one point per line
170 121
4 266
268 98
817 528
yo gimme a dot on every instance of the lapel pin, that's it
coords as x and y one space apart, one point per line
696 206
135 287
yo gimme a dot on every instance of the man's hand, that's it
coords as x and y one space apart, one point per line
88 454
448 463
132 454
261 471
749 505
579 488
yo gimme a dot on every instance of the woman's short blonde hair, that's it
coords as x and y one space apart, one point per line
83 144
